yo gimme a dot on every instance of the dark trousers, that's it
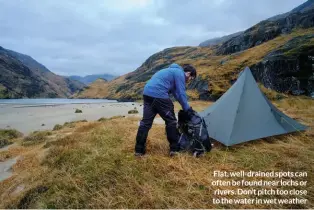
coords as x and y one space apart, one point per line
165 108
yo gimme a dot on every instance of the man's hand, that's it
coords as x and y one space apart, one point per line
189 113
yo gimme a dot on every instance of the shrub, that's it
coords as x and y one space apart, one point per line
78 111
36 137
57 127
10 134
102 119
133 111
4 142
6 135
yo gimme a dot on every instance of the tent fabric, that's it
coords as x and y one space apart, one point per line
244 113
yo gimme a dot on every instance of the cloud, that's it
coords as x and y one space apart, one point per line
96 36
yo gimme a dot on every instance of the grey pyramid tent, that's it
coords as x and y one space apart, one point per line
244 113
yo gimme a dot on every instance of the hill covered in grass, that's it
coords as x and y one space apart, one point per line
279 51
91 165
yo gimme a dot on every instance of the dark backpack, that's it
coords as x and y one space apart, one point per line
193 133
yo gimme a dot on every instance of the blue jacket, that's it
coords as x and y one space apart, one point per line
168 80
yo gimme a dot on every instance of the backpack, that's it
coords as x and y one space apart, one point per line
193 133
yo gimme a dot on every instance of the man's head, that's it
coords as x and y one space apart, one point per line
189 71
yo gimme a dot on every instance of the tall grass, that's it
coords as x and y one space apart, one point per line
94 167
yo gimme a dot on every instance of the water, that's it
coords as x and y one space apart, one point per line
48 101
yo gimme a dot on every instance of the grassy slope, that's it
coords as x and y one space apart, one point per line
209 67
91 165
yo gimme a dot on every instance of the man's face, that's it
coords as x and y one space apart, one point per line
188 77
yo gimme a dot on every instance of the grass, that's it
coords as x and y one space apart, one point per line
73 123
93 166
7 136
36 137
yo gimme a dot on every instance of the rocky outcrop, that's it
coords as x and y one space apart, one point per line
289 69
301 17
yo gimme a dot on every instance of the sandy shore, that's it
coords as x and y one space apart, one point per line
27 118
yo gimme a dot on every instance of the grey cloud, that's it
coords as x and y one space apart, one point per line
87 37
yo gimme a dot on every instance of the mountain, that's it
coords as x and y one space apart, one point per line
218 40
91 78
279 52
23 77
300 17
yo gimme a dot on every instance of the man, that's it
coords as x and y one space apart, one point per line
157 101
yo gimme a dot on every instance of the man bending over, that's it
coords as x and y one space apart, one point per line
157 101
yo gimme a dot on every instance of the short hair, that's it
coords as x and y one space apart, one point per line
189 68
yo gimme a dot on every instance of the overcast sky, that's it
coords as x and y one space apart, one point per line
80 37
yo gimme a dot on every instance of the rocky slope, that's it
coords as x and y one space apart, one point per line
279 52
23 77
300 17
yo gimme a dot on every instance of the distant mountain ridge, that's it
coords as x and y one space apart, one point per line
23 77
219 40
92 78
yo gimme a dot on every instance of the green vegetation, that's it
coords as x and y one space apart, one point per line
73 123
7 135
134 111
78 111
102 119
4 92
36 137
57 127
302 45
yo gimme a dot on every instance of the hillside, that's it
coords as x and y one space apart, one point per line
268 62
23 77
280 54
92 78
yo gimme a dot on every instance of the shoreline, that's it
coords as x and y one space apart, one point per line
29 118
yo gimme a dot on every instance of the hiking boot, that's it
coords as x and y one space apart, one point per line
173 153
139 154
198 154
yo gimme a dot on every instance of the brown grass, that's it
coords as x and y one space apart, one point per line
94 167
